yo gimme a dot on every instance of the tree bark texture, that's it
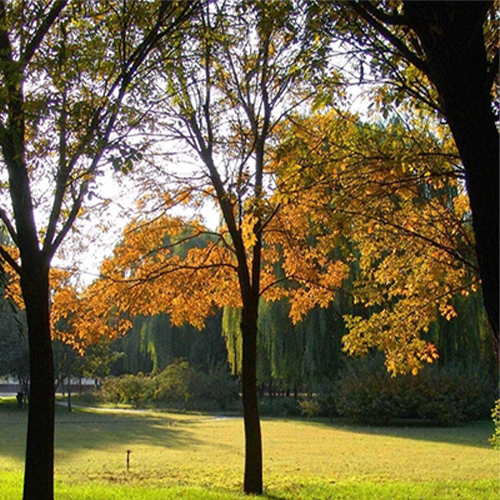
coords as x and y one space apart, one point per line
451 35
253 482
39 465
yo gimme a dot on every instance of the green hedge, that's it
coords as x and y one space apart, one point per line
179 385
128 389
446 396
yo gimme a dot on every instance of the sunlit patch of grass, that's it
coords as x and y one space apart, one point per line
176 455
11 488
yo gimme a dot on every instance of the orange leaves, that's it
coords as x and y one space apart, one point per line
168 266
429 354
306 259
82 317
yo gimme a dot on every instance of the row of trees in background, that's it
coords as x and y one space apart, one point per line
303 358
301 370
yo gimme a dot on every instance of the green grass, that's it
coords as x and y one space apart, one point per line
201 457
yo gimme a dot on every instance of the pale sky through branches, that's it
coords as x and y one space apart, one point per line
112 207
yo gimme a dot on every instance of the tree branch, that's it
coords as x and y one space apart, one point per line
121 83
8 225
360 8
10 260
392 19
49 20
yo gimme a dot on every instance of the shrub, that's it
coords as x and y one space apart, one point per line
178 384
137 389
131 389
495 415
217 386
310 407
174 383
280 406
446 396
110 390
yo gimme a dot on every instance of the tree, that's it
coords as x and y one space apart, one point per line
99 359
234 76
146 277
160 343
245 76
66 72
291 357
454 46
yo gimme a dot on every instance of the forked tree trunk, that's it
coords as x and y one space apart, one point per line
39 465
253 439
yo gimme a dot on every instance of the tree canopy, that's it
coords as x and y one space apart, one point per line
441 56
395 197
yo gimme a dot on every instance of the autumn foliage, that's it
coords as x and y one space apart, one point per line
394 199
156 270
384 205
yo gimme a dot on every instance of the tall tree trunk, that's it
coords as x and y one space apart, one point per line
39 465
476 137
451 34
253 439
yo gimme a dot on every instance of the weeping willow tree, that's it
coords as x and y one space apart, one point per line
309 355
290 356
465 341
153 343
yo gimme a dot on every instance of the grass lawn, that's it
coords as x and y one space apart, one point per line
190 456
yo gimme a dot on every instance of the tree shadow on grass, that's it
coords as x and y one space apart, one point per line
87 430
474 434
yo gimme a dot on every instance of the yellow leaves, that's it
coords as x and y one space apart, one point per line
335 184
401 345
318 290
448 311
248 230
342 185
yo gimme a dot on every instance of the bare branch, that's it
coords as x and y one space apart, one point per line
8 225
48 21
361 9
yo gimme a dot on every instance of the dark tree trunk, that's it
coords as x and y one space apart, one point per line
68 361
477 141
39 465
451 35
253 439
